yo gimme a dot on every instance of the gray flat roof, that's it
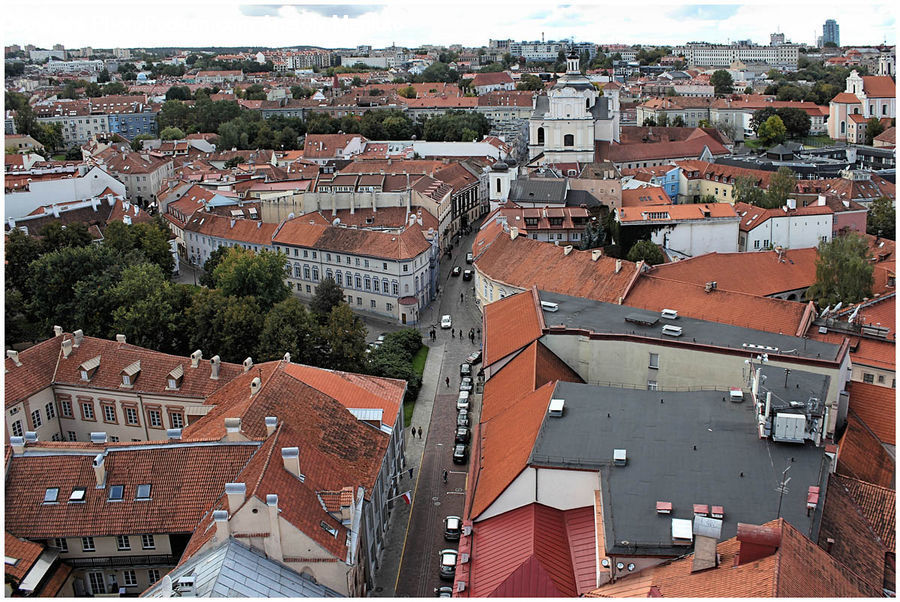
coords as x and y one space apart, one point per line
662 464
609 318
538 190
796 385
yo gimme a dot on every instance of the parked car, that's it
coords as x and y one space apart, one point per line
444 591
456 271
475 358
462 403
452 528
460 454
446 322
447 560
465 384
465 370
462 418
468 258
463 434
467 275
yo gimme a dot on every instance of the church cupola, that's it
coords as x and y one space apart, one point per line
572 63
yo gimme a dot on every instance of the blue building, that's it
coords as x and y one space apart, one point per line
130 125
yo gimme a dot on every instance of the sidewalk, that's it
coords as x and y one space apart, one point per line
389 567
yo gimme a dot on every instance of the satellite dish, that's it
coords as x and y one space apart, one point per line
167 586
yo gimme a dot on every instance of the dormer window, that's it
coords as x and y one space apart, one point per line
50 495
89 367
77 495
130 373
175 377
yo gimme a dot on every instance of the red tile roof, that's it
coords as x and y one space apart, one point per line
668 213
185 480
491 79
862 455
25 552
751 273
248 231
35 373
798 568
509 325
879 86
876 407
300 232
325 146
691 147
846 98
752 216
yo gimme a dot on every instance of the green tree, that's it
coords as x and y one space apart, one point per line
255 92
289 328
407 92
226 325
150 240
843 271
748 90
328 295
244 273
136 143
301 92
171 133
772 131
646 250
722 81
873 128
178 93
649 122
759 117
782 185
103 76
143 311
594 236
678 122
746 190
796 121
880 221
344 340
529 82
55 236
20 251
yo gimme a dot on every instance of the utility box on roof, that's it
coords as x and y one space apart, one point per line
789 428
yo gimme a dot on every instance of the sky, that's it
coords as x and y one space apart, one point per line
122 23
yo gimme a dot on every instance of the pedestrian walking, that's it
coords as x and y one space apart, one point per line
479 332
452 333
420 436
410 473
448 381
445 476
461 297
412 431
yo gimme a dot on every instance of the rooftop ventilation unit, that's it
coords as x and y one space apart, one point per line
672 331
556 407
619 457
98 437
549 306
664 507
682 532
669 314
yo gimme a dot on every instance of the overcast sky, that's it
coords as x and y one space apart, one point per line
121 23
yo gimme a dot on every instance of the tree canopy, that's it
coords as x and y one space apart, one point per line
244 273
646 250
722 81
882 218
843 271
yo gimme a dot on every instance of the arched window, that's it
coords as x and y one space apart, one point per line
368 283
843 127
316 273
856 110
540 136
569 140
306 272
587 104
395 287
384 285
329 274
377 286
339 278
358 281
498 184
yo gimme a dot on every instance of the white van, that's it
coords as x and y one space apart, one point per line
463 402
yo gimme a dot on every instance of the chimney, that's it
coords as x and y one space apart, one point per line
711 286
223 530
513 233
100 470
120 338
248 363
706 536
236 493
567 249
287 357
347 505
57 331
273 541
255 385
821 200
596 254
195 358
14 356
756 542
214 364
79 336
67 348
233 429
618 265
18 445
271 425
291 458
791 203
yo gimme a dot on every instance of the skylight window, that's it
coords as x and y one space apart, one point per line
77 495
115 493
143 492
51 495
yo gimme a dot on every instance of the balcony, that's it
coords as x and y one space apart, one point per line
123 561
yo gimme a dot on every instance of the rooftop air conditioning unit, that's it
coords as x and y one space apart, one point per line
669 314
672 331
549 306
619 457
556 407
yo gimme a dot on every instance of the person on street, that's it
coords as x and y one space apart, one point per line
479 332
445 476
420 436
448 382
461 297
452 333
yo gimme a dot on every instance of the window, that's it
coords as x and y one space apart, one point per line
395 287
365 263
87 544
368 283
109 413
71 436
358 281
177 420
540 135
153 575
126 380
390 306
315 273
868 378
96 582
113 439
755 244
372 303
359 300
130 578
143 492
384 266
405 267
155 418
50 408
654 360
147 542
50 495
123 542
131 416
77 494
651 385
306 272
36 418
339 278
569 140
61 544
377 286
17 430
115 493
87 410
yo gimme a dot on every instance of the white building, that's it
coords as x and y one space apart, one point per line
66 189
687 230
790 226
782 56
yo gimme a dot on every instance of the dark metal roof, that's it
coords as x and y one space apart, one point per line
538 191
659 439
577 198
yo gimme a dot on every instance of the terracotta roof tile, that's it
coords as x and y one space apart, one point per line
879 86
509 325
25 552
862 456
845 98
491 79
667 213
242 230
876 407
35 373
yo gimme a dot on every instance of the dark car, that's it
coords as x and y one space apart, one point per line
467 275
462 418
460 454
468 258
456 271
452 528
447 559
475 358
462 434
465 370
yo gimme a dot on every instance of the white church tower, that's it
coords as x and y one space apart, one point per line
568 120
